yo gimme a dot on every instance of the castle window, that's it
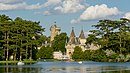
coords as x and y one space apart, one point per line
69 52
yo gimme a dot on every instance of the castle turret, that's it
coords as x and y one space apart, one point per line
82 38
54 31
82 41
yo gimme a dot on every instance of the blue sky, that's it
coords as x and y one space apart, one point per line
67 13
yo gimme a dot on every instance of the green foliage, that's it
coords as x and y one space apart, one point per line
58 44
19 37
98 55
45 53
91 39
77 54
1 54
89 55
111 35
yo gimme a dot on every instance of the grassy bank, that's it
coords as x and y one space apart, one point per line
18 61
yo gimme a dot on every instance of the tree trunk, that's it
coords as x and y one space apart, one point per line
120 43
31 52
15 53
7 48
21 51
27 48
16 49
27 51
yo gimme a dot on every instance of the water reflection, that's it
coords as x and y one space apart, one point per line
67 67
19 70
14 68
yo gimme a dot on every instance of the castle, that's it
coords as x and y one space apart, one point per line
72 43
78 41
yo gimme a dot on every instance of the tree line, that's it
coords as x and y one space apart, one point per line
113 37
19 38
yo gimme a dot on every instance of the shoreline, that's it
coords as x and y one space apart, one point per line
3 62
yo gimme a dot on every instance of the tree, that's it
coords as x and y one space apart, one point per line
98 55
78 53
28 36
91 38
45 53
111 34
5 26
16 37
58 44
86 55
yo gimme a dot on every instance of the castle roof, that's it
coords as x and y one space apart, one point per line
72 39
72 33
55 27
82 35
55 24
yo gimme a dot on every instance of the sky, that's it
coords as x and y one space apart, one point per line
80 14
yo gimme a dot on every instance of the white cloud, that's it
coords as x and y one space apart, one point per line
75 21
22 5
52 2
11 1
46 13
127 15
71 6
35 6
98 11
19 6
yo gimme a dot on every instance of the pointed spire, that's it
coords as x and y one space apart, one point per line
82 35
72 39
55 21
55 24
72 33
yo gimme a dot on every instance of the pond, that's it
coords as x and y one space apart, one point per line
68 67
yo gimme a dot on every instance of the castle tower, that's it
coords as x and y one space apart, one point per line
71 44
82 41
82 38
72 39
54 31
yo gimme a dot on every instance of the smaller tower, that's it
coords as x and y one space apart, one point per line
71 44
54 31
82 40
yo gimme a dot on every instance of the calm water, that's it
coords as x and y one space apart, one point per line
68 67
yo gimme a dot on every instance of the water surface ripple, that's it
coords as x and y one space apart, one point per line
68 67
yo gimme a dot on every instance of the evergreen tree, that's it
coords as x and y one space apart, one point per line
58 44
19 37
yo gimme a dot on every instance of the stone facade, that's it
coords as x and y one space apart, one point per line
80 41
57 55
